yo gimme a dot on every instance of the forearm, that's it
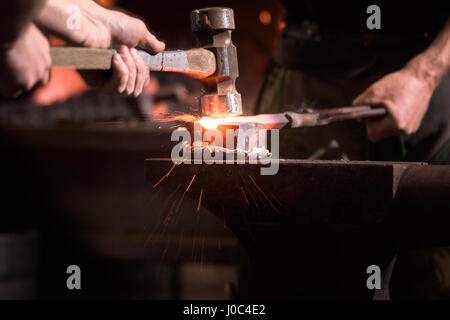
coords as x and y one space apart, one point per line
56 13
16 15
433 64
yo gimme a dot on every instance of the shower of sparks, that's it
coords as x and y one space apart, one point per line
161 223
165 176
264 195
251 192
177 116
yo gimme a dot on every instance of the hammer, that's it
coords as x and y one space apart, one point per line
214 62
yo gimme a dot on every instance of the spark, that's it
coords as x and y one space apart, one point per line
275 198
192 180
245 196
187 189
162 223
253 198
200 200
165 176
198 217
265 196
168 217
179 202
171 195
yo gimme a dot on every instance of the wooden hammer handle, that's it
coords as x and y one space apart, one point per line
198 63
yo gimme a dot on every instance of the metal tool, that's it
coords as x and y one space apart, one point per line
214 62
306 118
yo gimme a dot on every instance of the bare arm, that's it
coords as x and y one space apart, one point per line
434 63
406 93
99 27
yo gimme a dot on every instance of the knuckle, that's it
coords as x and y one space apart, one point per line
140 25
29 83
402 125
48 61
122 83
139 66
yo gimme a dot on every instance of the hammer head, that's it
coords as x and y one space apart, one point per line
213 27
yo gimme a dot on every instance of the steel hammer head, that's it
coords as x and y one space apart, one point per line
213 27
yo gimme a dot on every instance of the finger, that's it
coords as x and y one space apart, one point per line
151 43
365 98
141 72
147 80
377 129
119 80
45 78
131 66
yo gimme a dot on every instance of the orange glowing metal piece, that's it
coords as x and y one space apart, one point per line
269 121
209 123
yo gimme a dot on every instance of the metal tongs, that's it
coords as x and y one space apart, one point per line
306 117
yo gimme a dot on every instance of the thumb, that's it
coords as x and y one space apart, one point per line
150 43
365 98
377 129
